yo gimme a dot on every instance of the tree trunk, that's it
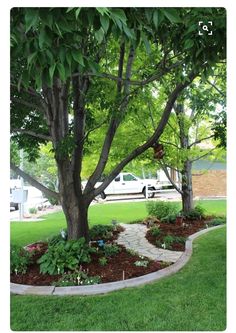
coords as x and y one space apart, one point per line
187 190
76 219
74 204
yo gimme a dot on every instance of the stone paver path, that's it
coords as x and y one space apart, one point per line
133 238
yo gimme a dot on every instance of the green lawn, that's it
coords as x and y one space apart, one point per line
194 299
27 232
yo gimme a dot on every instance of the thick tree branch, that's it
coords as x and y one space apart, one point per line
34 182
32 133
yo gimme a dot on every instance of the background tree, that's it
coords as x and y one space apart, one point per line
194 123
61 57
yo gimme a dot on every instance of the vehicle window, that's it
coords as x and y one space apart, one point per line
117 179
128 177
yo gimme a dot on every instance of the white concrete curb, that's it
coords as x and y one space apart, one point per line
104 288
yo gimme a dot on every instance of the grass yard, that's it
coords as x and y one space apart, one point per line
194 299
27 232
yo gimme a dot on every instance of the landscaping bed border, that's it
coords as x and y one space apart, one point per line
104 288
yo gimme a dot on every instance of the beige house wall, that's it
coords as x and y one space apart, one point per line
209 183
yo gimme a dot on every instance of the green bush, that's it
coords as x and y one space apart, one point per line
64 255
33 210
216 221
196 213
77 278
155 231
162 209
19 259
110 250
101 231
171 218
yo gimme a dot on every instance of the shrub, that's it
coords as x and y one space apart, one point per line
171 218
64 255
20 259
101 231
77 278
196 213
33 210
110 250
162 209
155 231
102 261
216 221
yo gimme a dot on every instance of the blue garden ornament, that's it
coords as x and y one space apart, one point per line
101 243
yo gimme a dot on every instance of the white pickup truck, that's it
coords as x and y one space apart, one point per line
127 183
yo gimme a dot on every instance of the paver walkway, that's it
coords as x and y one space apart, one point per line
133 238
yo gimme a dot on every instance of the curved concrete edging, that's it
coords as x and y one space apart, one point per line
104 288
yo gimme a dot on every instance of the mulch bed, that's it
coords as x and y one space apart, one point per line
122 264
188 228
118 266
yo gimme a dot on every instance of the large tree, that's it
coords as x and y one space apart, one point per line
77 69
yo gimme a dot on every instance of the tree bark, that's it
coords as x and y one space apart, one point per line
187 189
186 172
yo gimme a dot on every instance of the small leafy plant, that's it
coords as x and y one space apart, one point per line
77 278
64 255
141 263
155 231
100 231
196 213
168 240
216 221
102 261
33 210
20 259
131 252
110 250
179 239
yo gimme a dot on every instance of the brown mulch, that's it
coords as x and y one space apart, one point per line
118 266
122 264
188 228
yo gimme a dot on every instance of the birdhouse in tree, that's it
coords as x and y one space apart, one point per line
158 151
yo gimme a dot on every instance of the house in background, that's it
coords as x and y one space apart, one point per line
209 178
